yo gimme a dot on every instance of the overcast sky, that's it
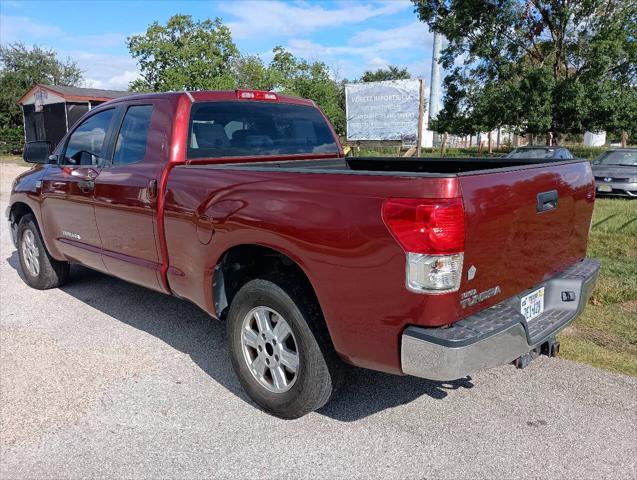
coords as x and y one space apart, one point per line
349 36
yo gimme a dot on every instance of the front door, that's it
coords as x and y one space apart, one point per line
67 191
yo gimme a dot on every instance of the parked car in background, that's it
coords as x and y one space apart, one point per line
616 172
541 153
243 203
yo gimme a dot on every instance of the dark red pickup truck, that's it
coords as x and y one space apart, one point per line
243 203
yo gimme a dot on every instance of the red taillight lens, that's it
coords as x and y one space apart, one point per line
256 95
426 226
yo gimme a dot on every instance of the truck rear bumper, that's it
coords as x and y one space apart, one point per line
500 334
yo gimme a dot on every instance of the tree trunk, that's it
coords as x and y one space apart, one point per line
444 143
531 139
490 142
624 139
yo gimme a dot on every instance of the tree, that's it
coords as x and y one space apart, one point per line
251 73
22 67
390 73
545 58
184 54
298 77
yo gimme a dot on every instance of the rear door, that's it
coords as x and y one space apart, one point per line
126 195
523 225
67 191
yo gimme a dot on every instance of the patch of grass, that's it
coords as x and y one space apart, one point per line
606 334
582 349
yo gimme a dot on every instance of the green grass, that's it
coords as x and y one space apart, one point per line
605 335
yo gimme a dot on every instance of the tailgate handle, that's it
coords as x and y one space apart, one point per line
546 201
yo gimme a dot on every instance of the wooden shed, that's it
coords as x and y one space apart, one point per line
50 110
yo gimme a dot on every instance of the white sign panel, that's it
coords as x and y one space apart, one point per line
382 110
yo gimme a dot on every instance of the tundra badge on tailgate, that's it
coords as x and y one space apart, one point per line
471 297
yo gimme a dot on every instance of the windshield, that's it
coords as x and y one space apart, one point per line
532 153
627 158
245 128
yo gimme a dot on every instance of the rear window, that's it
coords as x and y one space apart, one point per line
226 129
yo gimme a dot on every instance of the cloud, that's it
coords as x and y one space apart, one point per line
23 29
104 70
275 18
371 49
16 28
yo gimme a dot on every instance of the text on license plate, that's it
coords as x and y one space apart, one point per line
532 305
604 188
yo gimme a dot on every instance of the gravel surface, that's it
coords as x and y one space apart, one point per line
105 379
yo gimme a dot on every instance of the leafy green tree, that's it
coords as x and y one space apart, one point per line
390 73
298 77
546 58
21 67
184 54
250 72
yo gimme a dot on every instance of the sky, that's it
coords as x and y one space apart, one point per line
349 36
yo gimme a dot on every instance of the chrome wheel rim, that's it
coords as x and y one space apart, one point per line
30 253
270 349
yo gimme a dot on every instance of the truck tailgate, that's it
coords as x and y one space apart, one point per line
523 225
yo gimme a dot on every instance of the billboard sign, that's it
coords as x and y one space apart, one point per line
382 110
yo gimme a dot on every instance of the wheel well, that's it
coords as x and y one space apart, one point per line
19 210
243 263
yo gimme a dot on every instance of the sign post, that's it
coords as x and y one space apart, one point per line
421 114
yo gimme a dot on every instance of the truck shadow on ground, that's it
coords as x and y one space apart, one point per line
188 329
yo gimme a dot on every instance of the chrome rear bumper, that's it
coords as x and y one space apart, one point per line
500 334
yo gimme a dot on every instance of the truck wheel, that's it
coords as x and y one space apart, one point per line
279 348
39 269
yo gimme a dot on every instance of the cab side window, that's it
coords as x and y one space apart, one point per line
133 135
86 145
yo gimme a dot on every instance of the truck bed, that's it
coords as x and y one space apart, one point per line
434 166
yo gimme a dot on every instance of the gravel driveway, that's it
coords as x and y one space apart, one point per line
106 379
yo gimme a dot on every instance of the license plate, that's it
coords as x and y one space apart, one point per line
604 188
532 305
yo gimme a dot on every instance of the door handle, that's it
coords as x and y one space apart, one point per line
546 201
152 189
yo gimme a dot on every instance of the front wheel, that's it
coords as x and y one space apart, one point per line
39 269
279 348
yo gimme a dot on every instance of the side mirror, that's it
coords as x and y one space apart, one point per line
37 152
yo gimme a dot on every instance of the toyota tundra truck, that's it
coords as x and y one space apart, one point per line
244 203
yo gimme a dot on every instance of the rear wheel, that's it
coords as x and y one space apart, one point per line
39 269
279 348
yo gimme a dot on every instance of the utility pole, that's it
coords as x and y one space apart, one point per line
434 86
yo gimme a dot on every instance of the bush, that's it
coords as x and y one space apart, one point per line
11 140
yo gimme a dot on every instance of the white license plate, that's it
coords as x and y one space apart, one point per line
604 188
532 305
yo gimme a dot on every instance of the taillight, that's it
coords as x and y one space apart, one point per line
257 95
431 232
426 226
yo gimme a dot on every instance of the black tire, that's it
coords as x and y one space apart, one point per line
51 272
319 371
